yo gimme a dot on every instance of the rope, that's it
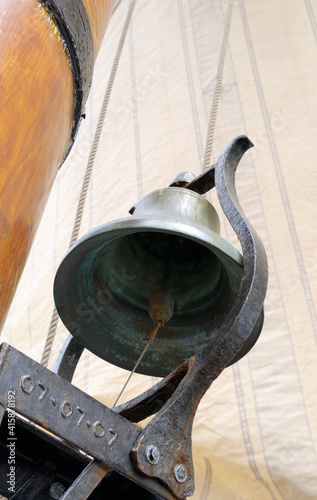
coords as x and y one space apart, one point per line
116 6
83 194
217 92
149 342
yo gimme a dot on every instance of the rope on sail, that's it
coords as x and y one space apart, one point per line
83 194
217 92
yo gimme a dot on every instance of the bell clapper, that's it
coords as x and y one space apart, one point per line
161 310
161 307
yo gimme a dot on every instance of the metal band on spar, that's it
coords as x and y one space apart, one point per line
71 19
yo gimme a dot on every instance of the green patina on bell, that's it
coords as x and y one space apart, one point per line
103 285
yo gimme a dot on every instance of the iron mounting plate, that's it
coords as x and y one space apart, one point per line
54 404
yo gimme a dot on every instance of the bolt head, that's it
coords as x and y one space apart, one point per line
180 473
57 490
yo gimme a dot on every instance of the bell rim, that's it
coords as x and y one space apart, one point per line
113 230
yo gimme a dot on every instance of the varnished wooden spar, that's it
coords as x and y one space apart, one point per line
43 86
99 12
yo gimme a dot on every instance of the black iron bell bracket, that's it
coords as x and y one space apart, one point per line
159 457
163 449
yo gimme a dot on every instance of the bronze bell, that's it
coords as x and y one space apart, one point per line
103 285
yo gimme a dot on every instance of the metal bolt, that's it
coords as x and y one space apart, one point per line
57 490
152 454
180 473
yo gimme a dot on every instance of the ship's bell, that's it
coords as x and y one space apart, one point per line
172 241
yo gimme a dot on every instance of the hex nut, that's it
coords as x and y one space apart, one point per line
152 454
